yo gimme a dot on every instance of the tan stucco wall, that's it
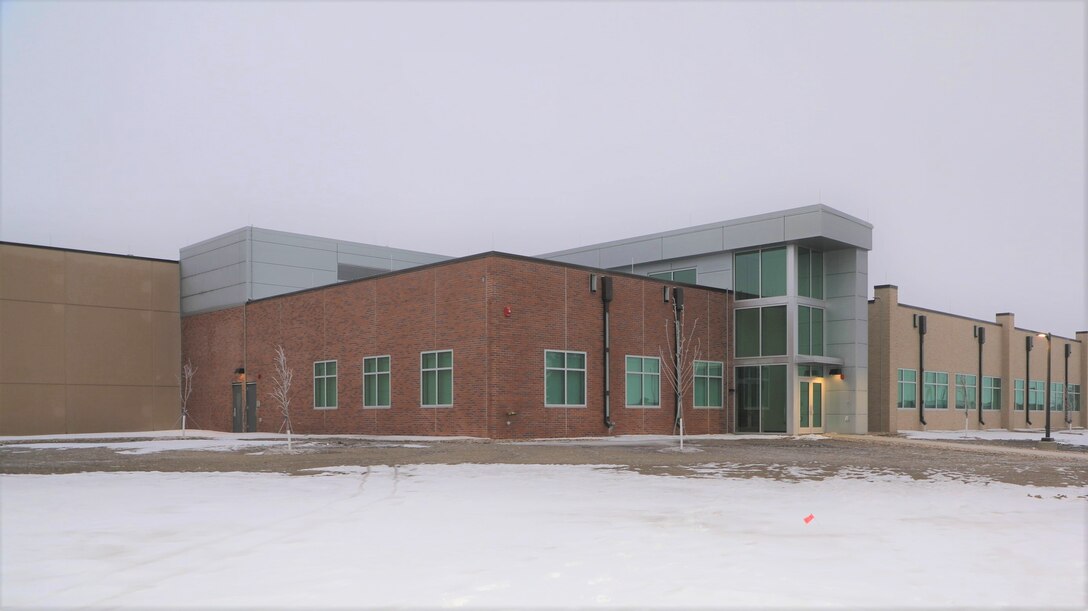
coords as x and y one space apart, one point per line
951 347
88 342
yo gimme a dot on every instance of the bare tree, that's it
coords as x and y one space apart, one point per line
185 384
281 390
679 367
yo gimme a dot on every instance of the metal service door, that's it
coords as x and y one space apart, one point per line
251 407
237 402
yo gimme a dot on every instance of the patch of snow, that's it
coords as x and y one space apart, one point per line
535 535
152 446
1078 437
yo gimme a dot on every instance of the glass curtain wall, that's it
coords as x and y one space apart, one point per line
761 399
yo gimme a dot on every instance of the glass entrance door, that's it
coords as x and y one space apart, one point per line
811 409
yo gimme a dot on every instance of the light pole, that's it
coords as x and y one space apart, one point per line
1046 389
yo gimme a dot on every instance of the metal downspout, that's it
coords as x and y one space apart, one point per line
921 369
606 298
1065 391
1028 343
978 384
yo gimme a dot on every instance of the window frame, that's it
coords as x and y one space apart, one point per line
902 383
991 393
759 275
939 402
423 371
566 369
707 380
1073 391
759 328
669 275
324 377
813 255
965 382
627 373
1057 396
1036 390
377 374
810 327
1019 395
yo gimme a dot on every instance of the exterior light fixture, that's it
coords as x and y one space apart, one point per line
837 372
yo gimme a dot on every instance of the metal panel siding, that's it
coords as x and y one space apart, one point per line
221 241
806 225
376 262
633 252
757 233
589 258
691 243
721 280
349 250
296 256
843 230
214 279
214 300
272 236
286 275
223 256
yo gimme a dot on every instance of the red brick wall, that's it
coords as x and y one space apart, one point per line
498 359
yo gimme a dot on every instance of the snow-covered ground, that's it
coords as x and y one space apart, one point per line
534 536
1078 437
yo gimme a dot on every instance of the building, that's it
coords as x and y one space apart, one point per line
89 342
930 369
492 345
800 278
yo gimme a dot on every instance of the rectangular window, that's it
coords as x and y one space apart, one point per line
643 381
991 392
908 380
810 273
325 384
761 331
810 331
1018 394
1057 396
436 378
564 378
935 390
1035 394
760 273
1074 397
708 384
761 399
676 275
965 391
376 381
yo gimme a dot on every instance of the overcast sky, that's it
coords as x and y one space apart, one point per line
956 129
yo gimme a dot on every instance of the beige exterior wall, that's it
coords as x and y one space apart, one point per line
951 347
88 342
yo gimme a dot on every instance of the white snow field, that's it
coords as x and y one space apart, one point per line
536 536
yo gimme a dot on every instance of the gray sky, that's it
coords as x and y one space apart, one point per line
956 128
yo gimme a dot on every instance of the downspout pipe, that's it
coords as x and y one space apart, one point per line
1065 391
978 382
921 323
1029 341
606 299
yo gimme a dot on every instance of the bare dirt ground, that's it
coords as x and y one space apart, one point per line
777 458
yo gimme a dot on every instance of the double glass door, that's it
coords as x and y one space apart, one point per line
811 408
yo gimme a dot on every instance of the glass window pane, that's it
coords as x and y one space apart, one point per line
429 360
445 387
370 394
747 332
817 332
684 275
445 359
746 275
804 272
330 368
319 393
330 392
651 391
319 369
661 275
633 389
773 272
700 368
383 390
430 387
634 364
773 395
747 384
651 365
700 392
714 392
804 330
576 388
576 360
817 275
716 369
774 330
369 365
553 359
553 387
383 363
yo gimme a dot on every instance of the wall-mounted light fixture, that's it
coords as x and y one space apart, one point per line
837 372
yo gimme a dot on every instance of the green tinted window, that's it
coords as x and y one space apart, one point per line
773 327
325 384
772 272
747 332
746 275
907 388
684 275
436 378
643 387
708 384
376 381
564 378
